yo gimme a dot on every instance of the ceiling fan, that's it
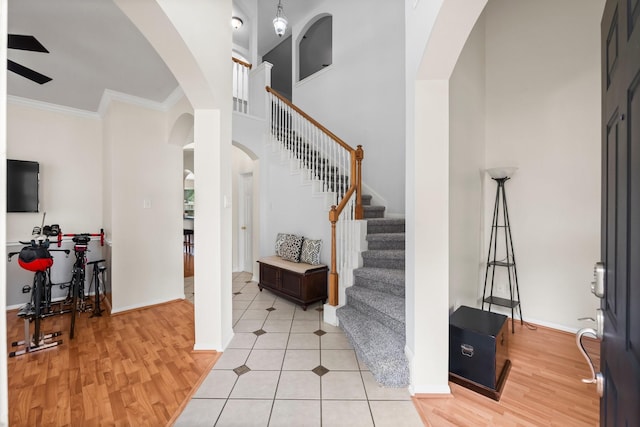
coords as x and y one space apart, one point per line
30 43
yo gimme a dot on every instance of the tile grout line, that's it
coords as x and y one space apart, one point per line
275 392
320 359
245 362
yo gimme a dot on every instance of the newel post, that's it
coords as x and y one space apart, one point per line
333 274
359 209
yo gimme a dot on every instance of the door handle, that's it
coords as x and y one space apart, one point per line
596 377
599 320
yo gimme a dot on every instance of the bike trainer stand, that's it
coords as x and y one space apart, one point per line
44 343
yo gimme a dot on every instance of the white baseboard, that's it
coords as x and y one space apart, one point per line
438 389
53 301
414 389
205 347
212 347
145 305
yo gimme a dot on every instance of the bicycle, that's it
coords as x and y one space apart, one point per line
36 257
78 274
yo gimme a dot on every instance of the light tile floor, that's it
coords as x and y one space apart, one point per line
286 367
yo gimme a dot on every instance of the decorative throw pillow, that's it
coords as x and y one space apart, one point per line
290 248
311 251
279 239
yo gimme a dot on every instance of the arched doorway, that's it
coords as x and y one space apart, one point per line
246 209
431 59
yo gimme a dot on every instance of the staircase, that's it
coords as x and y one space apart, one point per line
373 317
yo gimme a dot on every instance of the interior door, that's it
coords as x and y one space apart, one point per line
246 220
620 348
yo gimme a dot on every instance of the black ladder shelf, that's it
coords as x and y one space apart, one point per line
508 262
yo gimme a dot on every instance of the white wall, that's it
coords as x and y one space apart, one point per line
283 201
288 205
543 116
68 148
146 209
360 97
466 169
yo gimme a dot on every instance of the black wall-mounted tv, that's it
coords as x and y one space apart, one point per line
22 186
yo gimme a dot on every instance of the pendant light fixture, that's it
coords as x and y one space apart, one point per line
236 22
280 21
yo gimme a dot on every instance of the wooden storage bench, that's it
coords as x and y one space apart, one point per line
301 283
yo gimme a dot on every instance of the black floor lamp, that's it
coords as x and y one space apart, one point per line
501 222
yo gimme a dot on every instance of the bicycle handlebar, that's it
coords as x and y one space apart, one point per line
12 254
101 235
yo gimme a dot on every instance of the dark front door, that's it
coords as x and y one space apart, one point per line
620 349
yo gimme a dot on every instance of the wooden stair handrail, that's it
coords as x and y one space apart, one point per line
312 120
239 61
357 155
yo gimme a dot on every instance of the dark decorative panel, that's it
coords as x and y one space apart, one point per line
610 257
611 395
633 10
633 138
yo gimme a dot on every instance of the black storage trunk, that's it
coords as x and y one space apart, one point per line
479 350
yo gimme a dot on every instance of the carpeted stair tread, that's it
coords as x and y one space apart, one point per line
393 258
387 221
366 199
385 254
386 241
385 225
381 306
380 279
373 211
386 236
377 346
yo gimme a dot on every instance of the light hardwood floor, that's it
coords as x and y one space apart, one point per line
543 388
188 264
131 369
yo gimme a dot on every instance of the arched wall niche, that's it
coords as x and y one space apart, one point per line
314 46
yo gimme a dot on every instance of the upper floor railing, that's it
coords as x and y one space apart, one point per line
240 85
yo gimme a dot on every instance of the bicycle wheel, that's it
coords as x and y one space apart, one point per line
75 287
38 286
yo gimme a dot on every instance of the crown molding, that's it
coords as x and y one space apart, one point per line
173 98
107 97
111 95
40 105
